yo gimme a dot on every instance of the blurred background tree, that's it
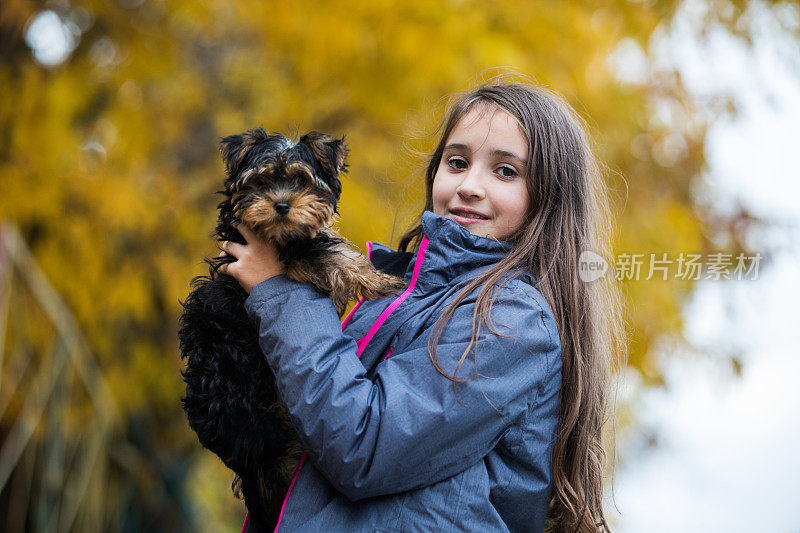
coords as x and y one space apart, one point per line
108 163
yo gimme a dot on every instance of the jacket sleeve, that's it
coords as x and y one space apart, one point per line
404 428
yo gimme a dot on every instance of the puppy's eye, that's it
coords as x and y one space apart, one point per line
307 179
301 174
457 163
244 179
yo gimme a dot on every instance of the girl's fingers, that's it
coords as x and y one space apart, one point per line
224 266
233 248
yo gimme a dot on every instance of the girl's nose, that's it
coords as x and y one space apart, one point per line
470 187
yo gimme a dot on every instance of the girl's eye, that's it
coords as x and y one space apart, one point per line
506 172
457 163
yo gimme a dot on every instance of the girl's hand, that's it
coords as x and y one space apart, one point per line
257 260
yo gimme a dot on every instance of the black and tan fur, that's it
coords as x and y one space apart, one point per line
286 192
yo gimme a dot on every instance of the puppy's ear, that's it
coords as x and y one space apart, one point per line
329 151
234 148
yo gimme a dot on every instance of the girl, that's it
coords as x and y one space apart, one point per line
400 433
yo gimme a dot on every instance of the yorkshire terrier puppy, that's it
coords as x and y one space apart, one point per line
286 192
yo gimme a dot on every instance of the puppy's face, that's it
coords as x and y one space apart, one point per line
281 189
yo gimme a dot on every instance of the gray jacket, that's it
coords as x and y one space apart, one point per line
390 446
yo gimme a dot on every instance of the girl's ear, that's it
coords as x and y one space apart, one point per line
234 148
331 153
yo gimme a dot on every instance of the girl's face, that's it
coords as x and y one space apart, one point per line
480 182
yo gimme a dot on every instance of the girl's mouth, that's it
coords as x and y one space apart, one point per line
467 216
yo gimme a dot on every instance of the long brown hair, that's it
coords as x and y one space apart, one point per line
569 214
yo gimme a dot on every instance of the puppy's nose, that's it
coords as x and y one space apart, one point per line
282 208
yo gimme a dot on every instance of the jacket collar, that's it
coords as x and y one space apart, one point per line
453 251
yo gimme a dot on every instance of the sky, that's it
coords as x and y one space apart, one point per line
727 445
